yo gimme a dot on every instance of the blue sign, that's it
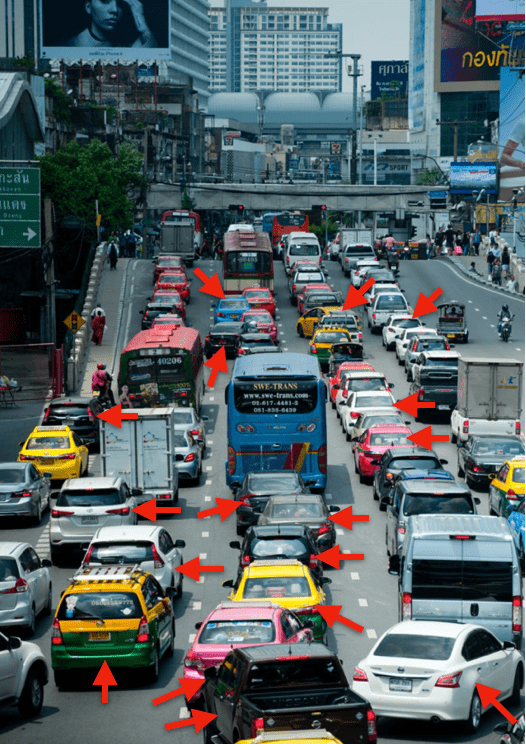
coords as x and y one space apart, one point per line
437 194
144 71
467 177
389 79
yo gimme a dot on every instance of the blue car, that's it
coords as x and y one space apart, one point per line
516 520
230 309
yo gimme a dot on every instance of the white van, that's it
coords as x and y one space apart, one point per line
301 245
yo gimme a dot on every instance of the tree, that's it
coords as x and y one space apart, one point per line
75 177
429 177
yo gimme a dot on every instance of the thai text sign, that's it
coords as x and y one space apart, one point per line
19 207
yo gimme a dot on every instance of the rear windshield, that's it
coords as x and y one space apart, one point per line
390 439
297 509
383 419
353 250
8 569
121 553
406 323
373 401
438 343
238 631
488 581
389 301
303 276
257 317
290 674
441 363
405 646
279 586
322 300
335 319
422 463
504 449
278 547
461 504
274 483
105 605
172 278
256 293
181 441
304 250
234 305
364 385
183 417
38 443
12 475
327 337
64 410
94 497
518 475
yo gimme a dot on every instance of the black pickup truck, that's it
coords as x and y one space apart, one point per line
284 687
435 379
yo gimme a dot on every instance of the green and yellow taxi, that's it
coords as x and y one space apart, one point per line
324 338
287 583
308 322
57 450
319 736
507 487
115 613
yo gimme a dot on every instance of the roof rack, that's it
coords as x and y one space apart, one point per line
286 562
107 573
47 429
266 605
301 736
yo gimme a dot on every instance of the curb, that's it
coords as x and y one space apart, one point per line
460 266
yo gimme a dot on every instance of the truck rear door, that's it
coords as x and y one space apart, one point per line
155 465
118 447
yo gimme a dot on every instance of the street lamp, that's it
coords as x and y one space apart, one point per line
375 138
483 192
516 193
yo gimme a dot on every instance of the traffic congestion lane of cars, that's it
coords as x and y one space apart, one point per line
366 591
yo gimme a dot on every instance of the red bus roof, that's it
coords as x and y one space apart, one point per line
181 213
166 336
245 241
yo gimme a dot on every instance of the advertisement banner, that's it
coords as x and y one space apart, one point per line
511 133
389 79
499 10
417 65
467 177
105 29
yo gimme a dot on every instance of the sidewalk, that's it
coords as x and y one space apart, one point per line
464 262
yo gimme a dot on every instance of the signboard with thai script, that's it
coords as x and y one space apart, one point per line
389 79
19 207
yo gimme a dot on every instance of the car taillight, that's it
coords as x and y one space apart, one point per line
374 316
91 417
123 512
56 635
477 469
165 496
21 494
449 680
406 606
231 460
288 260
245 499
46 413
345 393
516 618
157 560
465 427
517 428
20 586
67 457
401 528
314 349
389 476
359 675
27 457
207 338
313 561
143 634
391 329
194 661
307 611
360 336
355 414
258 724
88 554
220 315
448 347
195 432
190 457
420 395
357 272
293 287
245 561
241 351
512 496
323 528
371 726
61 513
322 459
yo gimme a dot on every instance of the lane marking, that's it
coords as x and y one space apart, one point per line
470 302
209 467
355 576
208 483
371 633
363 603
192 637
196 605
202 556
477 310
212 398
208 498
491 325
205 534
340 532
484 317
184 713
210 441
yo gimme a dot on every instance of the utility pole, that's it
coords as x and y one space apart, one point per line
355 74
455 124
50 275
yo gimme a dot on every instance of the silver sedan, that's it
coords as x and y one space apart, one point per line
24 491
187 454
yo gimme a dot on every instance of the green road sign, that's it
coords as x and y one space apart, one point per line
19 207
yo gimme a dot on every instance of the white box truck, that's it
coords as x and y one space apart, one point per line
490 398
353 235
141 452
177 239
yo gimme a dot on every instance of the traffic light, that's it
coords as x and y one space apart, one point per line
413 231
321 207
236 207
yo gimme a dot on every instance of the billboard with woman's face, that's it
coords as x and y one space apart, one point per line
105 29
511 133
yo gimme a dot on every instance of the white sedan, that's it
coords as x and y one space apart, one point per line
429 670
395 325
375 416
359 402
354 382
402 342
360 268
377 289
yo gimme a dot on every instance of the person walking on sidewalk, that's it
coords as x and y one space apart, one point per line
450 238
496 272
122 244
113 256
489 260
476 242
131 244
97 326
505 260
512 285
97 310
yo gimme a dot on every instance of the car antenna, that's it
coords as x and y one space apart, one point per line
290 649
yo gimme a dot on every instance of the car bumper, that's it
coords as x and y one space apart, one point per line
187 470
367 467
442 702
136 657
482 478
18 508
60 471
18 615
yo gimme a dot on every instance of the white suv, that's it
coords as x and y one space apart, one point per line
23 674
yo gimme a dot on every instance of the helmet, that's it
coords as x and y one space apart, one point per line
505 308
100 365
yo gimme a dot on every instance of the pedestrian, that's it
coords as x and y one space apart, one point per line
113 256
131 243
496 251
450 238
97 325
96 310
428 245
108 392
406 251
473 269
512 285
489 260
466 240
206 249
389 242
496 272
476 242
138 248
505 260
98 379
122 244
493 237
439 239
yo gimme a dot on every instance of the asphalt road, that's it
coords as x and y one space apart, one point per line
366 591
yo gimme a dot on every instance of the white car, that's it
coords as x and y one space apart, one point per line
394 327
25 587
334 249
438 358
385 305
402 342
428 671
358 381
374 416
377 289
359 402
360 268
23 674
146 544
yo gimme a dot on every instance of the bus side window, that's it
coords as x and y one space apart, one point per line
226 394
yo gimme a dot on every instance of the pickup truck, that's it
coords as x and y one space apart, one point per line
277 687
435 379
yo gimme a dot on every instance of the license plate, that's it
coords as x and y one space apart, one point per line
68 422
450 335
235 317
89 520
401 685
221 341
257 305
443 408
47 460
100 635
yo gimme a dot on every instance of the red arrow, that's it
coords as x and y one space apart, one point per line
333 556
199 719
331 615
217 364
424 305
115 415
424 437
488 696
225 507
188 688
150 510
346 518
104 678
411 405
192 569
356 297
212 285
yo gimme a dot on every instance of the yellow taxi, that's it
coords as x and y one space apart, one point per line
320 736
117 613
324 338
507 487
287 583
56 450
306 325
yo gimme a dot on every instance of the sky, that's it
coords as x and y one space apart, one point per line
379 31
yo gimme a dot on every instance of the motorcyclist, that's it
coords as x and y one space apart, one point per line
98 380
502 316
393 260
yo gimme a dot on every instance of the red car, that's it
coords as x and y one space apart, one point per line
174 296
310 288
346 367
168 263
264 321
260 298
173 280
372 444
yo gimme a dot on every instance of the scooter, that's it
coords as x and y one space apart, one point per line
505 329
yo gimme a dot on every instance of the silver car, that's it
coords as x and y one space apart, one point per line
193 423
24 672
25 587
146 544
187 454
84 505
24 491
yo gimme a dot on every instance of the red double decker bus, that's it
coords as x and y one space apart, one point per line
247 261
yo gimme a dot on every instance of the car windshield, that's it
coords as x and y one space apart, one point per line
411 334
496 447
65 411
172 278
222 328
407 646
388 301
289 674
383 419
276 586
429 344
274 482
39 443
121 553
438 504
234 305
336 319
304 250
180 441
183 417
372 401
8 569
255 294
287 547
105 605
304 277
330 337
296 509
364 385
378 440
409 323
238 631
518 475
10 476
257 317
422 463
441 363
90 497
322 300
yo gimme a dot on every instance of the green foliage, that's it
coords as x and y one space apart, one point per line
76 176
319 230
187 202
429 177
61 102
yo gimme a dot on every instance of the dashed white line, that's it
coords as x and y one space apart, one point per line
191 637
355 576
202 556
491 325
363 603
285 349
280 324
211 397
196 605
205 534
208 498
477 310
210 441
340 532
209 467
184 713
517 348
208 483
470 302
484 317
201 580
328 497
371 633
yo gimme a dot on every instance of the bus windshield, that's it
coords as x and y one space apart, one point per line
248 261
276 396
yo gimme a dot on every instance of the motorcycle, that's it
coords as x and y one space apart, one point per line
505 328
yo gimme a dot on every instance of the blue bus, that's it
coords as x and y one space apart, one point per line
268 222
276 417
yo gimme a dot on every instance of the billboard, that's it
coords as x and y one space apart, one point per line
389 79
499 10
467 177
105 29
417 65
511 133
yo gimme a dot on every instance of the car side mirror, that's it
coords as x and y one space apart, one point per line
48 475
336 386
46 563
324 580
509 644
501 728
229 583
21 443
476 500
210 672
443 462
205 418
391 384
141 312
14 642
333 509
136 492
235 544
394 565
308 624
180 544
214 304
198 625
460 445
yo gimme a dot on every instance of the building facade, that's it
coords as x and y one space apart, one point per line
189 24
254 47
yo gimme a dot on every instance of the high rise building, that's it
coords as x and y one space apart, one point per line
254 47
190 25
19 31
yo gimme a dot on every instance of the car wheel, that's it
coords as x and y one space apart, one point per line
179 592
453 438
152 672
356 467
347 436
55 557
38 516
239 530
363 478
409 376
30 628
375 494
515 697
333 404
48 607
400 361
475 714
208 732
32 697
171 647
382 505
301 334
460 471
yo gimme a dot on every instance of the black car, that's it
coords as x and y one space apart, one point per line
482 455
248 341
80 414
223 334
258 487
276 541
399 458
153 310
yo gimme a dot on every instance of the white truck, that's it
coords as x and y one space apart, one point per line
490 398
177 239
349 235
141 452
